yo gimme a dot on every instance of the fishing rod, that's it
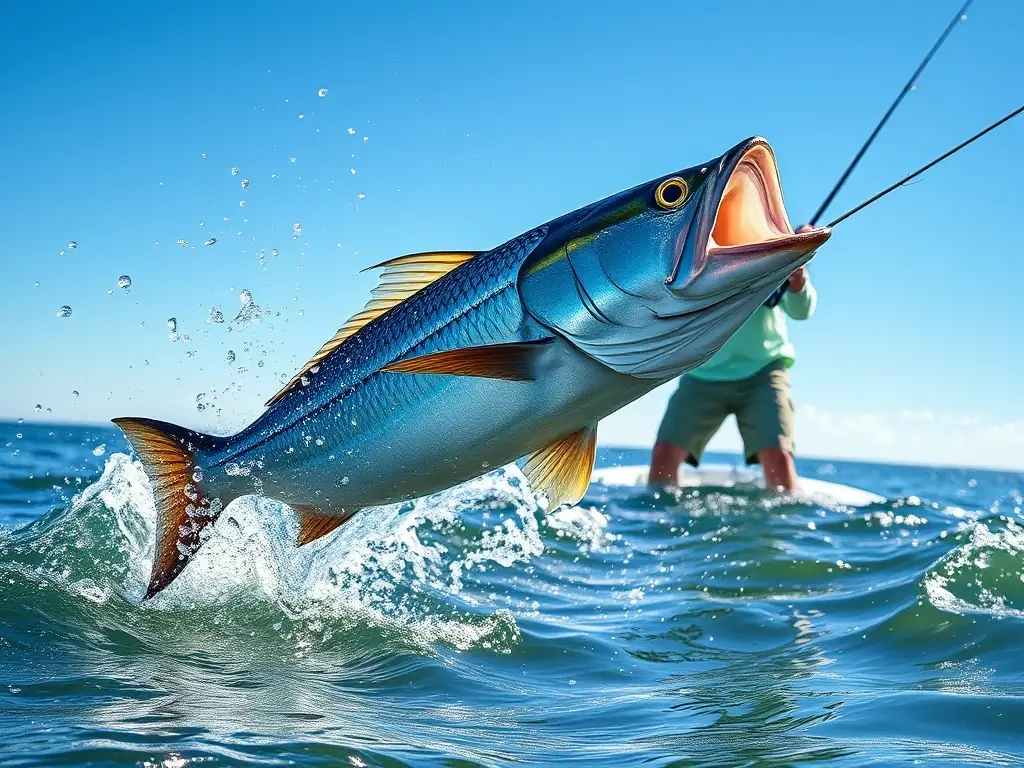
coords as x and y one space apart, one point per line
779 292
911 83
924 168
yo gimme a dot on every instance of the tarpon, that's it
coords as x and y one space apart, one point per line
466 361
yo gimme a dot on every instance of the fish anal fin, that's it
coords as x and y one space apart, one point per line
313 523
402 277
562 469
183 510
511 362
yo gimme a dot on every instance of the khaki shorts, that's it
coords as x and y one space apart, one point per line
761 404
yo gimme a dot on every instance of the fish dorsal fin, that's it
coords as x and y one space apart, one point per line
562 469
313 523
401 278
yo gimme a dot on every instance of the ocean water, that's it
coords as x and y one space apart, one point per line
715 627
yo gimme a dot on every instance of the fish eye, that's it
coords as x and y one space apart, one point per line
671 193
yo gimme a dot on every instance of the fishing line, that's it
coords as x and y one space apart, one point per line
779 292
924 168
892 108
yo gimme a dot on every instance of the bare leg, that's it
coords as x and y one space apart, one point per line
779 470
665 461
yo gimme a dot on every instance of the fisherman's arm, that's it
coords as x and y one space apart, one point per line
801 298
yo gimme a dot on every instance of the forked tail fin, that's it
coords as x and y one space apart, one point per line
171 457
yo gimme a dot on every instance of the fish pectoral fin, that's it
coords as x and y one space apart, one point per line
562 469
510 362
314 523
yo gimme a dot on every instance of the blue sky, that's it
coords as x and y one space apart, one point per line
459 125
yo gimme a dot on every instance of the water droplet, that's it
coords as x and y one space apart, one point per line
351 131
366 138
273 175
21 421
345 480
72 244
362 197
64 311
197 475
204 155
913 87
235 171
74 392
125 282
274 252
230 357
352 171
293 159
37 283
963 17
202 224
183 243
301 115
322 92
296 229
211 241
99 450
19 436
172 323
245 297
38 407
241 203
215 316
245 183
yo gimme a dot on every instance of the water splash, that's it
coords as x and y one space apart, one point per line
64 311
124 282
397 568
982 576
250 312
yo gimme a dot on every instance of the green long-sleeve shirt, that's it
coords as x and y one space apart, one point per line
761 340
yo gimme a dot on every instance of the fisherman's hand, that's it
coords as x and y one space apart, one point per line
798 279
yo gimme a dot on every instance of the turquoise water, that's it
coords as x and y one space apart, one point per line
719 627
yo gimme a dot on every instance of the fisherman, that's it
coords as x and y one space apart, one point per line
749 378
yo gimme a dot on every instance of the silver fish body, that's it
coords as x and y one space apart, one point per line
592 310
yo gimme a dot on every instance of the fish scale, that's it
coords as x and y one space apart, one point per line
413 324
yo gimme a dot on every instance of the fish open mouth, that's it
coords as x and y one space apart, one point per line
750 217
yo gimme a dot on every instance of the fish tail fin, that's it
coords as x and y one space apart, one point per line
172 458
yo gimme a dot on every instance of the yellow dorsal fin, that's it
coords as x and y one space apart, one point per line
401 278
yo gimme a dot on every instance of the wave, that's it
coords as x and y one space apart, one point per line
397 570
984 575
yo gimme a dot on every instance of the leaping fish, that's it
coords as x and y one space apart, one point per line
464 361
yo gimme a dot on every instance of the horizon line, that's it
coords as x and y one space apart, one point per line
620 446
